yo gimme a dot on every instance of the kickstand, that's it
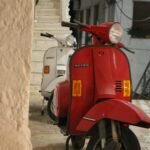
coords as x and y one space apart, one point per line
67 142
43 108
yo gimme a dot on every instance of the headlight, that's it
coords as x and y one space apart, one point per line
70 40
115 33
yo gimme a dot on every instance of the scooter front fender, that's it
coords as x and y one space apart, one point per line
119 110
53 84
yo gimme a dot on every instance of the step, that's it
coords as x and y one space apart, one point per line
42 26
49 25
45 27
48 19
41 38
50 30
47 1
41 2
47 5
43 45
46 9
47 15
54 2
49 12
44 39
46 24
53 20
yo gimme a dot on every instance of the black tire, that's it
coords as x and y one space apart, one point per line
77 142
42 112
55 120
128 141
50 113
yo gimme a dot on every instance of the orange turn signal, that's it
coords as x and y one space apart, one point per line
126 88
77 88
46 69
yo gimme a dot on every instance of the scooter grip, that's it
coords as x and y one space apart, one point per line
47 35
69 24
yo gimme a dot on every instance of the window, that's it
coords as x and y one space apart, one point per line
88 17
141 11
96 12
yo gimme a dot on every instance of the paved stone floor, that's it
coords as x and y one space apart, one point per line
47 137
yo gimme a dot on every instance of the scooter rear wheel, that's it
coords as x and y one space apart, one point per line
77 142
128 141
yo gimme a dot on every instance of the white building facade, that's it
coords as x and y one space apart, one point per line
125 13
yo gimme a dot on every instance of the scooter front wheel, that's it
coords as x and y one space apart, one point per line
77 142
128 141
49 104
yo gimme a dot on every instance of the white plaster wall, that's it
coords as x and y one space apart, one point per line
15 52
139 60
64 13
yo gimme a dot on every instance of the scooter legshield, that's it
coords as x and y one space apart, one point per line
114 109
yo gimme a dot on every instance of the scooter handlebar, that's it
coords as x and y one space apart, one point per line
47 35
69 24
76 24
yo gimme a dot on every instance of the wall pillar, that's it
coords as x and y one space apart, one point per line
15 58
64 10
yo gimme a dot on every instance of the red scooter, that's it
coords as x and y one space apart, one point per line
94 101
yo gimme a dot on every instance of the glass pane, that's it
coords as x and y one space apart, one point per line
141 11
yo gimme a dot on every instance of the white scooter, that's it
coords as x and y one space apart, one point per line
54 65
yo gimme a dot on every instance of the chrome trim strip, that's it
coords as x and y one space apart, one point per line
90 119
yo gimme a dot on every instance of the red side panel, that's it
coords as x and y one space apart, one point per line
111 68
119 110
61 102
82 86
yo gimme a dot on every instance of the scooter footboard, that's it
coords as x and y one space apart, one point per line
114 109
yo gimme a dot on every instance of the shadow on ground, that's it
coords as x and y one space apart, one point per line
35 108
35 115
58 146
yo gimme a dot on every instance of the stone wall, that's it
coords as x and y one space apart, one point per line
15 52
